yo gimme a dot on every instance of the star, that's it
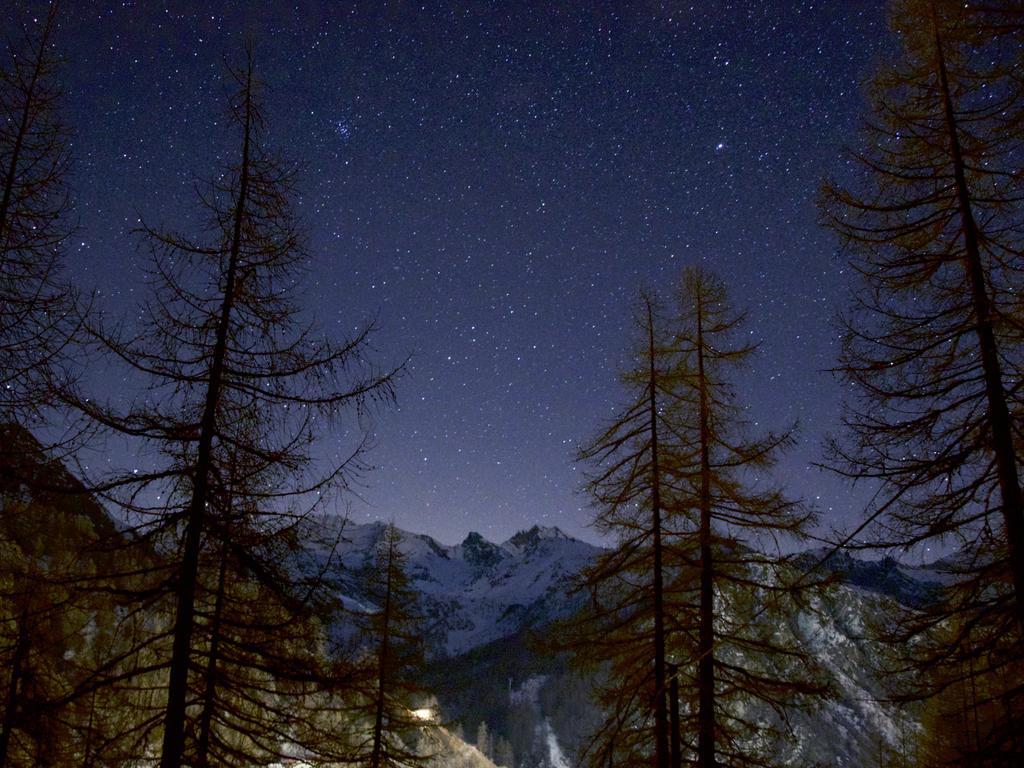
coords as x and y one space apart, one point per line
500 166
343 129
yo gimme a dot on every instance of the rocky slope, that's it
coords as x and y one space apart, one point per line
475 592
484 600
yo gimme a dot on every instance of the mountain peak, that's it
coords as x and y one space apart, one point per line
478 551
529 539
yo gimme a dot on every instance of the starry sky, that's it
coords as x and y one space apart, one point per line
495 181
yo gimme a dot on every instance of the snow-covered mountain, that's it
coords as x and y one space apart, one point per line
910 585
483 598
475 592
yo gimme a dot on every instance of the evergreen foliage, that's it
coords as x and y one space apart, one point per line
682 444
932 351
34 207
389 646
239 387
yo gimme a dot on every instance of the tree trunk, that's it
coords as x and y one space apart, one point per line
673 711
177 689
11 702
706 635
661 750
210 691
87 747
376 755
995 392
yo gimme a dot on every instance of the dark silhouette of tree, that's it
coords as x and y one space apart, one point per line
627 626
34 202
28 732
933 339
261 651
724 589
234 376
730 521
965 722
53 633
503 754
390 647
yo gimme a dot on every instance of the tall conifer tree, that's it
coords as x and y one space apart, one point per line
390 645
933 342
34 203
680 485
236 379
729 522
627 625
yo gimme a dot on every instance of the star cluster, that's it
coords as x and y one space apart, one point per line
494 182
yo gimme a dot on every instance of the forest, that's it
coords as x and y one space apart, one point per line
196 609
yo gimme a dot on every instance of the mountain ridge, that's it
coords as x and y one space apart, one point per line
477 591
487 599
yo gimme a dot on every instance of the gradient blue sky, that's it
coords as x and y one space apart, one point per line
495 182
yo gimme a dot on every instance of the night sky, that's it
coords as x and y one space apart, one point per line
495 182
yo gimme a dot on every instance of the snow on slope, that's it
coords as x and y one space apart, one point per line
858 726
449 751
476 591
445 750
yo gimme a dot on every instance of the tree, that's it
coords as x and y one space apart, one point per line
627 488
731 523
235 377
32 629
260 649
933 339
34 202
390 644
723 589
965 721
483 739
54 633
503 754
